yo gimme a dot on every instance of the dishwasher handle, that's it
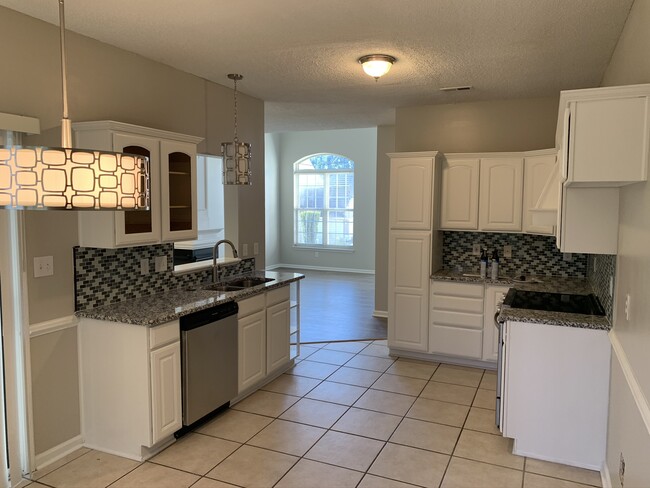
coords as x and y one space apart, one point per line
209 315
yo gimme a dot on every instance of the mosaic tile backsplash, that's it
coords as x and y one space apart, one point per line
104 276
600 267
531 254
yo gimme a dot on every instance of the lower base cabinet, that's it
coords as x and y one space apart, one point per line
131 386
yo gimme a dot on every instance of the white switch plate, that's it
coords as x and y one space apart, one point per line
476 249
160 263
628 304
256 248
144 266
611 286
43 266
507 251
244 250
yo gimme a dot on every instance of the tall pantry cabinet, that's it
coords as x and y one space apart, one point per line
414 246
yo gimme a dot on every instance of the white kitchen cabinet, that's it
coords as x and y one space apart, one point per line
131 387
410 191
555 392
252 349
493 296
456 319
537 170
460 193
501 194
172 215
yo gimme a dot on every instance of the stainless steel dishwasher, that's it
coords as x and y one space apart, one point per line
208 360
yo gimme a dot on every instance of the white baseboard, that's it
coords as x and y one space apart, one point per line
54 325
57 452
605 478
380 314
321 268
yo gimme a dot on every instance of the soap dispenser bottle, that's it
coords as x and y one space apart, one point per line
495 265
484 260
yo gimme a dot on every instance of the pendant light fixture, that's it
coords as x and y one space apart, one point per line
71 179
376 65
236 155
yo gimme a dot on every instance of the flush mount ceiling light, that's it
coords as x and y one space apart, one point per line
376 65
236 155
71 179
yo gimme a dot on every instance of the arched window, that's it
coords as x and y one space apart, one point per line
323 201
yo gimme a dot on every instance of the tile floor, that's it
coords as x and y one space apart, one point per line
347 415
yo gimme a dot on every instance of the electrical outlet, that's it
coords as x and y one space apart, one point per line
628 304
507 251
611 286
476 249
160 263
244 250
256 248
43 266
315 254
621 470
144 266
567 256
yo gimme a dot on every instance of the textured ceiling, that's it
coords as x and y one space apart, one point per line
300 56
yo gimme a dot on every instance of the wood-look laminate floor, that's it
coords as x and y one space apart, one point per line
338 307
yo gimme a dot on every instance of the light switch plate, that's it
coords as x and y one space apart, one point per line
144 266
43 266
244 250
160 263
256 248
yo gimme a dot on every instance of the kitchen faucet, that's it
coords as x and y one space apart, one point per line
215 256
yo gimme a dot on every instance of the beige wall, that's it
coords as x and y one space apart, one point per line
107 83
630 64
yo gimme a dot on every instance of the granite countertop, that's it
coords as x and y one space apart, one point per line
164 307
552 284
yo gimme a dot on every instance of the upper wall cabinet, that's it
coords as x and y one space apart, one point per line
459 195
172 215
537 170
501 194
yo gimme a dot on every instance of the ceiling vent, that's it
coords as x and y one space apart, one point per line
456 88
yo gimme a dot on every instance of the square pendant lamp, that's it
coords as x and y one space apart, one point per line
236 155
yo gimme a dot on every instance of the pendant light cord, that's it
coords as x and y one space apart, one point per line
236 139
66 127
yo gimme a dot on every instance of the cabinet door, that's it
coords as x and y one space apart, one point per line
410 193
178 191
493 295
277 336
166 414
459 199
141 226
252 350
408 290
537 170
501 194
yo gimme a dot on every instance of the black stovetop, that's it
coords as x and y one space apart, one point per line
553 302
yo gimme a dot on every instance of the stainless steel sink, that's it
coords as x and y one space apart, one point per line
249 282
222 287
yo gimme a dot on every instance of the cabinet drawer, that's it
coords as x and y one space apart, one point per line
164 334
276 296
457 304
251 305
456 342
457 319
469 290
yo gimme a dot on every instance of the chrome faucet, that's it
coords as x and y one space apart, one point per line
215 256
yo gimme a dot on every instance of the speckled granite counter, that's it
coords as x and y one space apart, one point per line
552 284
164 307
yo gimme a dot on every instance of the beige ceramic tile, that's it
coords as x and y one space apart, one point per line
314 412
482 420
149 474
463 395
345 450
254 467
287 437
353 347
440 412
377 350
330 356
532 480
311 369
37 475
562 471
371 363
487 448
385 401
414 369
196 453
208 483
400 384
354 376
291 384
485 399
367 423
234 425
328 391
410 465
372 481
489 381
313 474
426 435
457 375
266 403
463 473
92 470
